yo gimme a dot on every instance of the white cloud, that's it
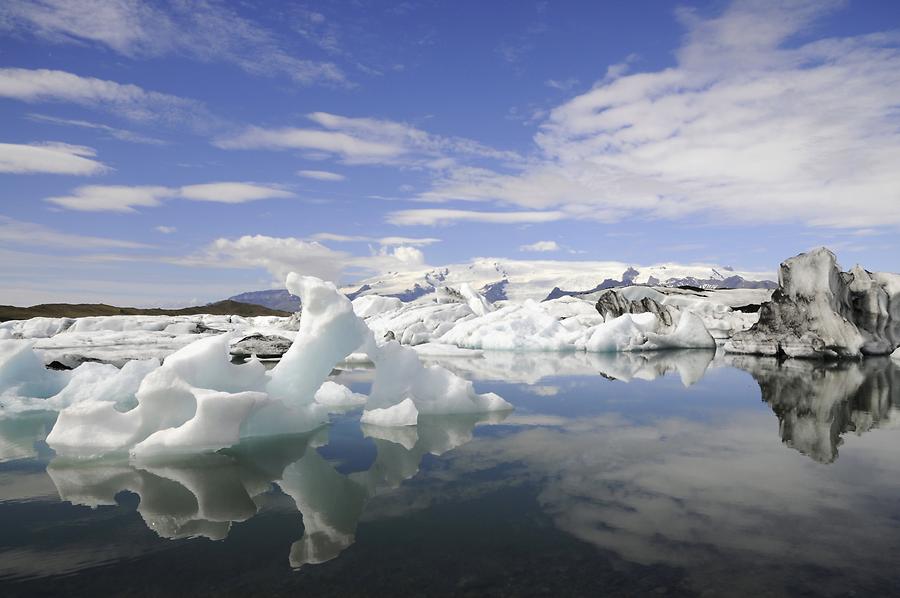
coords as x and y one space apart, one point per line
28 234
745 128
321 175
411 241
365 141
120 134
166 230
112 198
207 31
408 255
561 84
281 255
278 255
541 246
351 149
436 216
129 101
121 198
232 192
49 158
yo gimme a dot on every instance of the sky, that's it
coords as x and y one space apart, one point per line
179 152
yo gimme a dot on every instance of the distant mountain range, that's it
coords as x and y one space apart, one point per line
518 280
718 281
279 299
501 279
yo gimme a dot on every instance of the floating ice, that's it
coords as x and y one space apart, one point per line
441 319
476 302
403 413
199 401
533 327
819 311
400 375
103 382
118 339
337 396
22 373
372 305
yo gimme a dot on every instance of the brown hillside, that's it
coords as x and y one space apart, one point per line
79 310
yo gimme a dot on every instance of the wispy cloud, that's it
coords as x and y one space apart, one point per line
126 100
541 246
351 149
203 30
561 84
49 158
27 234
232 192
437 216
745 128
411 241
365 141
116 133
112 198
166 230
321 175
121 198
281 255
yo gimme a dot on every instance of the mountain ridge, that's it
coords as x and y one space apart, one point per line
500 279
81 310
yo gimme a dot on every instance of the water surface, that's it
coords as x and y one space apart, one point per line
669 474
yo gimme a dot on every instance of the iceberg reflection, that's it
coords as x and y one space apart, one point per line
530 368
204 495
717 496
818 402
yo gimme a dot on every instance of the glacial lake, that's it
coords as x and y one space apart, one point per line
672 474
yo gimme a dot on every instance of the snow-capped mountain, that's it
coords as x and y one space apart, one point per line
518 280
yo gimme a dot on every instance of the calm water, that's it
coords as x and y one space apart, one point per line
671 475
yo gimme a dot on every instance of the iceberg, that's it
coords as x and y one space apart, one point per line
22 373
199 401
531 326
819 311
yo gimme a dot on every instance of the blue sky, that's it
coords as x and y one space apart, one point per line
174 152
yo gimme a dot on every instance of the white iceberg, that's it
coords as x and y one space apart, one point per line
532 326
199 401
22 372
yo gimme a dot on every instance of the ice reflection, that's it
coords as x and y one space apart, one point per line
20 434
204 496
695 480
530 368
717 496
200 497
818 402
